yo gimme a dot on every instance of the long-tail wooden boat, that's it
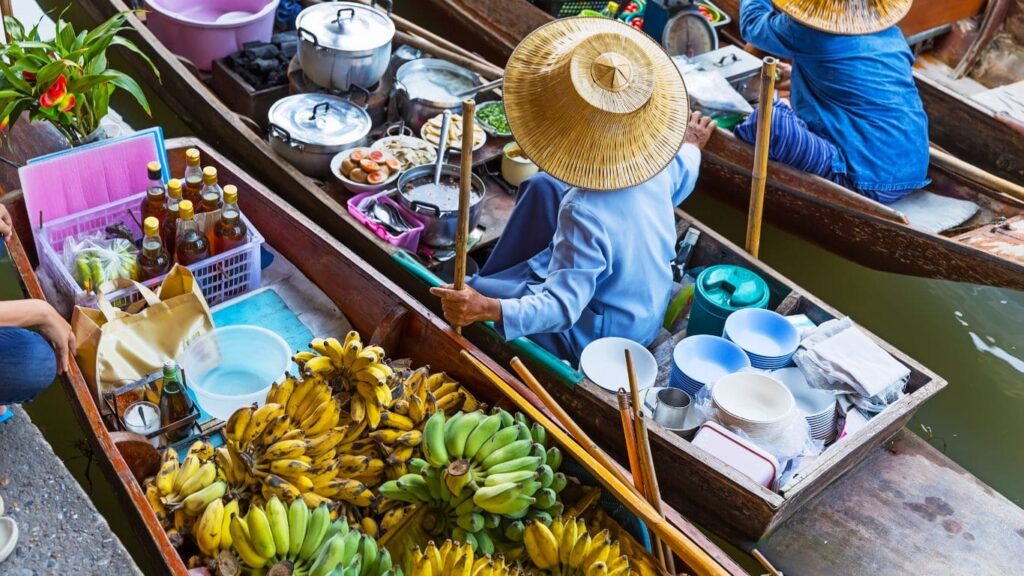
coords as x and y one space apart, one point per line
701 485
375 307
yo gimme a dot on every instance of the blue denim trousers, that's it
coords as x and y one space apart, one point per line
27 365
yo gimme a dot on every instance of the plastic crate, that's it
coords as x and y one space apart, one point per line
565 8
221 277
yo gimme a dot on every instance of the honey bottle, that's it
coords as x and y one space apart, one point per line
154 204
190 245
193 177
154 260
169 228
230 231
211 194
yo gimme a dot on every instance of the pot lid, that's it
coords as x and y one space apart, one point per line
345 26
728 288
320 120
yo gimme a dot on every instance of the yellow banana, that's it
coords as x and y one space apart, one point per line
237 423
208 530
243 546
168 469
187 469
206 474
541 545
285 449
230 511
259 532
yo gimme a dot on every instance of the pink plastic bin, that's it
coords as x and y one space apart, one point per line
409 240
203 31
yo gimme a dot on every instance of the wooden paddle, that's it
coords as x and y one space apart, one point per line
465 189
759 177
947 161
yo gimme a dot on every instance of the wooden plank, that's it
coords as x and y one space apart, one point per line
925 16
907 509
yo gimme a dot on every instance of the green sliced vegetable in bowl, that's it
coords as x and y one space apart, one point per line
492 116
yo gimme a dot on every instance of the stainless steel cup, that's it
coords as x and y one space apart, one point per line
670 408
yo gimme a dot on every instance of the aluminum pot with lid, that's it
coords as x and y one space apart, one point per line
345 44
308 130
427 87
440 223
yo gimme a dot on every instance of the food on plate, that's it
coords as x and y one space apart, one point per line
408 151
493 115
366 166
432 132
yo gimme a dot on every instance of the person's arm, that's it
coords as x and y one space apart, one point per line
24 313
765 27
40 315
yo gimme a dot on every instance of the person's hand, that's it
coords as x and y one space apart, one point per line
700 130
783 76
6 227
466 306
56 329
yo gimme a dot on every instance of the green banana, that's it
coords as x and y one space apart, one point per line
259 532
518 476
198 501
415 485
484 544
352 540
517 449
554 458
472 522
483 431
319 521
507 419
545 475
434 450
369 554
499 439
546 498
455 443
329 557
298 518
514 465
514 531
540 434
559 482
524 430
277 516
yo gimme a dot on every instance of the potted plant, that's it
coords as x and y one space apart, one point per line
65 81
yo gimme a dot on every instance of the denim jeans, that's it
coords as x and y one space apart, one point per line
27 365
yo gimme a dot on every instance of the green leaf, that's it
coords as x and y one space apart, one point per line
115 21
65 35
101 101
14 28
79 42
129 45
97 65
15 79
28 44
128 84
49 73
85 83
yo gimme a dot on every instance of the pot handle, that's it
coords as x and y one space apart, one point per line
365 92
326 106
280 133
398 129
432 208
386 4
303 32
351 14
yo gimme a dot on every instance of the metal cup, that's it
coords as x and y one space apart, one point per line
670 408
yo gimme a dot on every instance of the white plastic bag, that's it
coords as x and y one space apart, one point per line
95 259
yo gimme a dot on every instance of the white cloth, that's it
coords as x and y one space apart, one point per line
839 356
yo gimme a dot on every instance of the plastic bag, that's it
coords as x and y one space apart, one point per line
710 90
95 259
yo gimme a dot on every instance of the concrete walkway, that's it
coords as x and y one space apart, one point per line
61 531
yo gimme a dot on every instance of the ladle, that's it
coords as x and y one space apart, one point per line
442 143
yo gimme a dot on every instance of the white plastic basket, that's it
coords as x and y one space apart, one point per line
221 277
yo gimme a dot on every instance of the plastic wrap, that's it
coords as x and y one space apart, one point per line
94 260
710 90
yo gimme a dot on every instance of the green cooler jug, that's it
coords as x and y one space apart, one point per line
720 291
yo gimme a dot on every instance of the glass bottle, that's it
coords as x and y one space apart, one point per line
154 260
175 404
169 228
193 177
154 204
212 194
230 231
190 245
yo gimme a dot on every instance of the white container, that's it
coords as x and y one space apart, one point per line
515 169
742 455
234 367
753 397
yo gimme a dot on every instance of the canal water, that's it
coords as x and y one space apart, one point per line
973 336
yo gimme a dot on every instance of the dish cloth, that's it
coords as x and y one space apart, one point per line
839 356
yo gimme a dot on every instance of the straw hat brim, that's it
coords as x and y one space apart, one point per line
595 103
846 17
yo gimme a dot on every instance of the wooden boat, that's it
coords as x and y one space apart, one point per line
701 484
373 305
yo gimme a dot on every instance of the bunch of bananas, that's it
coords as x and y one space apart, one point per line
452 559
568 548
304 542
181 492
212 531
477 471
352 368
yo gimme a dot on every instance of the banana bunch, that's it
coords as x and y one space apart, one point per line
353 368
294 540
212 531
568 548
452 559
477 471
183 491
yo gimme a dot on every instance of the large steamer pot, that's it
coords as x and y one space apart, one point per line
308 130
345 44
440 227
426 87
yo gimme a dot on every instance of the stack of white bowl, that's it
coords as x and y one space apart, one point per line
818 407
755 403
766 336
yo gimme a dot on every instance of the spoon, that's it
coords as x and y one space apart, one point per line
397 216
442 143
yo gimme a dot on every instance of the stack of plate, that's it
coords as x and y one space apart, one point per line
756 403
818 407
699 361
766 336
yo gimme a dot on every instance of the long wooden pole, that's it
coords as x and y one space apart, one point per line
630 434
6 10
759 178
693 555
971 172
465 190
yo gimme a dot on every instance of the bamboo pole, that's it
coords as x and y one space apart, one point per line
772 571
6 10
465 189
759 178
947 161
630 433
693 555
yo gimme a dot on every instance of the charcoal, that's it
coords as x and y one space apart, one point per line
265 51
282 38
289 50
250 45
264 66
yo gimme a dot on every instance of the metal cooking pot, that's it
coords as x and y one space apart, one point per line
345 44
308 130
439 226
427 87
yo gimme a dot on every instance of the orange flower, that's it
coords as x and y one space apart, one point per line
56 94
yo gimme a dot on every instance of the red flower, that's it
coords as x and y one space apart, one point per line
55 94
3 123
66 103
28 76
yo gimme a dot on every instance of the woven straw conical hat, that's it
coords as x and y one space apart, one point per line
595 103
846 16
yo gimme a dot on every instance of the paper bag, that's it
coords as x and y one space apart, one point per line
118 347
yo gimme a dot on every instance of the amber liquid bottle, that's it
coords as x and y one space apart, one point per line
175 404
154 204
154 260
193 177
169 228
190 245
230 231
211 194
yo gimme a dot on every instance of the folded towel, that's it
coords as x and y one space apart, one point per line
839 356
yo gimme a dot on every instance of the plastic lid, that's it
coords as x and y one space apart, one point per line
732 287
192 156
185 210
174 188
230 194
345 26
151 226
209 175
154 170
319 121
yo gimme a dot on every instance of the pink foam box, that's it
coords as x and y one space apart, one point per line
741 454
408 240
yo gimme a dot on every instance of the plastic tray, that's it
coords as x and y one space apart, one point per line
408 240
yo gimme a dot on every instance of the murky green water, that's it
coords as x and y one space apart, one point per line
970 335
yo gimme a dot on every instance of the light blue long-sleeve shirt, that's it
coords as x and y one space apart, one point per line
856 91
606 272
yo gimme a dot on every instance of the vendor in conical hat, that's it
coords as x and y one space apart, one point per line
856 118
602 110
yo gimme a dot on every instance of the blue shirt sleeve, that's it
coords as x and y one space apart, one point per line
687 166
766 28
580 255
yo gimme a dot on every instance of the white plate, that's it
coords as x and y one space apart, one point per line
604 362
811 402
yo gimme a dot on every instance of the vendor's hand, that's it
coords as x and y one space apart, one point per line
466 306
6 227
784 74
56 329
700 130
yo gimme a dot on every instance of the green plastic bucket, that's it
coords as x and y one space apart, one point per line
720 291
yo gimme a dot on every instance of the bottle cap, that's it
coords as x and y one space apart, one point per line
154 170
151 226
169 366
230 194
185 210
174 188
192 156
209 175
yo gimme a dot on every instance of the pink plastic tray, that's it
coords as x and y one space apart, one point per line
409 240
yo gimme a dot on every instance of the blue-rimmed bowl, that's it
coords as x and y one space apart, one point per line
766 336
700 360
